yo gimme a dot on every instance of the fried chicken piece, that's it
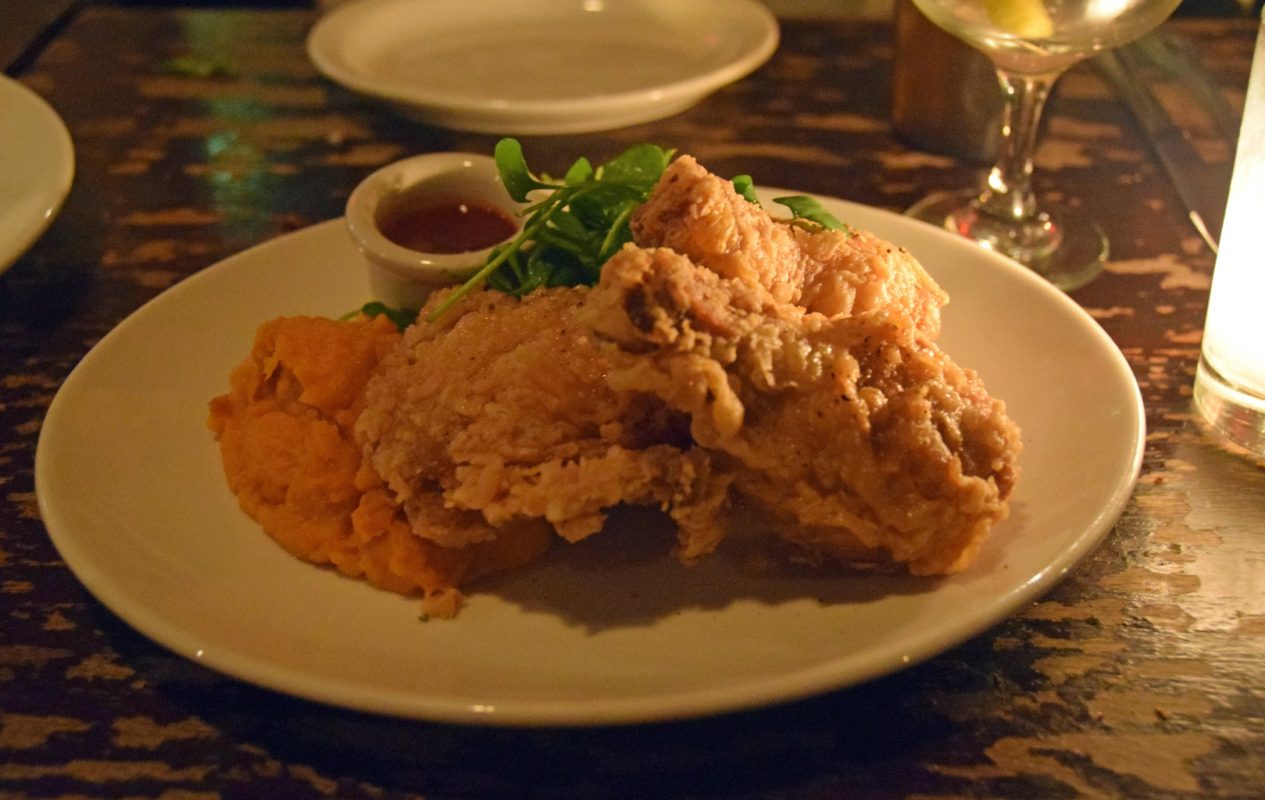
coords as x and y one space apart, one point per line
285 436
835 273
502 407
855 435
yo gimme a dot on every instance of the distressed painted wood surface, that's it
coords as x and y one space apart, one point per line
201 133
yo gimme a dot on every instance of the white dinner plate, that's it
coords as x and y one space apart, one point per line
542 66
611 630
37 165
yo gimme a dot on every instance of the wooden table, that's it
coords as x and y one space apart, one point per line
200 133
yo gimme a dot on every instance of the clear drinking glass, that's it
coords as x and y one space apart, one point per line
1031 43
1230 378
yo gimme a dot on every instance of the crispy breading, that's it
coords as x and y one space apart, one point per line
835 273
857 437
808 358
502 407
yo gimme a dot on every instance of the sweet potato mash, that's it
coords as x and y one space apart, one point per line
290 456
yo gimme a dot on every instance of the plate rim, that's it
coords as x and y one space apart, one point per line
661 706
584 114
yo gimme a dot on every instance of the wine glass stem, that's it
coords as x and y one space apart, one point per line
1008 192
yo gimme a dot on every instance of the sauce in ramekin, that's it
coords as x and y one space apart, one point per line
427 225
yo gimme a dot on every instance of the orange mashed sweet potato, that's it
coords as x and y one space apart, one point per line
285 431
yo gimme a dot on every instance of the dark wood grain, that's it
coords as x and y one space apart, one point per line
201 133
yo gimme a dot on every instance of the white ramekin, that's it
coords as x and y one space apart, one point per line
401 277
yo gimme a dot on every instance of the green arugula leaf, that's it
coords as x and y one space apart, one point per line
579 172
745 187
807 208
402 317
639 166
512 165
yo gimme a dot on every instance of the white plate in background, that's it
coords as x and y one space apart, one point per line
611 630
542 66
37 166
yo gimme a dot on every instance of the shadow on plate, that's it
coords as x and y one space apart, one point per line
626 576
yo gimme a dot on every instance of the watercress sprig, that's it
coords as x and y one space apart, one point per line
571 226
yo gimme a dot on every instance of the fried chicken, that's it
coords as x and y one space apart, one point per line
852 435
807 364
502 408
835 273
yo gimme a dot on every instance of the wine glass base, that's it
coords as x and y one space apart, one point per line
1061 245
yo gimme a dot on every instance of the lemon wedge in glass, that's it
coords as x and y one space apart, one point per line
1026 18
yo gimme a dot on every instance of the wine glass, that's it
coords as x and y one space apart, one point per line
1031 43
